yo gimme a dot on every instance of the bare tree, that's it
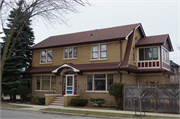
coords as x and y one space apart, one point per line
48 11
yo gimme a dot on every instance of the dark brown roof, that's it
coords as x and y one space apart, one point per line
46 69
81 67
159 39
99 35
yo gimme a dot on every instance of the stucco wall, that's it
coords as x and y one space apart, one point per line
83 55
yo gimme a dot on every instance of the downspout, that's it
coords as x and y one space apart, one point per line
120 60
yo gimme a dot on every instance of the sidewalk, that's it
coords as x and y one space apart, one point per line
38 107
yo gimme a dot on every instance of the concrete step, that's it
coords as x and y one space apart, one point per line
56 104
58 101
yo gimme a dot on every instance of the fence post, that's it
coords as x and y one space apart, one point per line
124 96
156 97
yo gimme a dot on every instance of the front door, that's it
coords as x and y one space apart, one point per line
69 84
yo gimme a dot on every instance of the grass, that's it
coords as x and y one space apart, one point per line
103 113
8 105
94 107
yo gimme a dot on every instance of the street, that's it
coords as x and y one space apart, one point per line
12 114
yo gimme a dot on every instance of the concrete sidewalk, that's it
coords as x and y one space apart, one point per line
38 107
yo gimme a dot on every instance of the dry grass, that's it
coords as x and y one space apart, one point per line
8 105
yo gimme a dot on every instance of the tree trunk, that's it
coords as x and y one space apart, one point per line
14 97
11 97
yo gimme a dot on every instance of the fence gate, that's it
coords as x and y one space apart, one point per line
158 97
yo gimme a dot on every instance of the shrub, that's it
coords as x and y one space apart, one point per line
116 89
41 99
98 101
31 97
79 101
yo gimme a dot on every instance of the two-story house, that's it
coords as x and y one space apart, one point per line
85 64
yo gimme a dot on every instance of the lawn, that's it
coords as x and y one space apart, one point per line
102 113
8 105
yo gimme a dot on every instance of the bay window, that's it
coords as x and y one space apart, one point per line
99 82
45 82
148 53
70 52
99 51
46 56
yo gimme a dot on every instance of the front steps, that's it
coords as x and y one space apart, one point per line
58 101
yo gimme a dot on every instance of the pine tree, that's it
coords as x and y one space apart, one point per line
21 55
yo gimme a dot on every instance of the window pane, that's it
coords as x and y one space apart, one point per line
53 83
155 53
89 82
141 54
45 84
103 47
69 80
45 77
103 54
109 80
75 52
95 55
49 58
148 54
100 76
133 54
38 83
66 53
95 48
70 52
99 84
43 56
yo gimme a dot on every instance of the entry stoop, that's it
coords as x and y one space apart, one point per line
58 101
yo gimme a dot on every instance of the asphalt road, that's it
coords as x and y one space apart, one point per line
13 114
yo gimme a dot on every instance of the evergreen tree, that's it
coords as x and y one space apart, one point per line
21 55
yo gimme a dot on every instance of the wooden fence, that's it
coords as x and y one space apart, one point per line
157 97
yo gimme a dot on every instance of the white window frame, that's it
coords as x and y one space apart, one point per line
99 52
41 83
93 80
165 55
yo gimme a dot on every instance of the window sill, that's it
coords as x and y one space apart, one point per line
46 63
69 58
98 59
44 90
97 91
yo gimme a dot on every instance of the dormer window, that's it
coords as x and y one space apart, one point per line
70 52
46 56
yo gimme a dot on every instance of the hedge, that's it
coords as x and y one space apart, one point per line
79 101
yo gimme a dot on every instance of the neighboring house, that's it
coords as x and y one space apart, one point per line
85 64
175 68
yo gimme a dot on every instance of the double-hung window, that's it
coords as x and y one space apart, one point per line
99 82
165 55
148 53
45 83
99 51
70 52
46 56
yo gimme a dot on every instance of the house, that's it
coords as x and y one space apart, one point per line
175 68
85 64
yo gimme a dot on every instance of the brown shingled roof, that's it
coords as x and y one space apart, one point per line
151 40
99 35
81 67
